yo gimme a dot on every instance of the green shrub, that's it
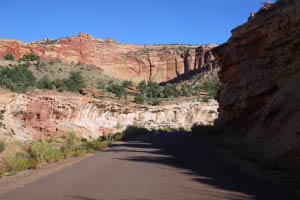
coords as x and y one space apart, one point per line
79 152
14 162
38 150
17 79
142 86
140 99
103 145
32 163
2 146
170 91
2 172
9 57
97 145
45 83
30 57
101 85
51 62
118 136
211 87
118 90
1 118
155 102
119 126
44 151
75 82
94 145
23 163
53 155
72 146
204 99
127 84
60 85
153 90
150 89
187 90
10 161
39 65
109 138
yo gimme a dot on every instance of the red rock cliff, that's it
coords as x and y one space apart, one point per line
125 61
260 65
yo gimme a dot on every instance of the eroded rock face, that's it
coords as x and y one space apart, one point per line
260 80
158 63
45 115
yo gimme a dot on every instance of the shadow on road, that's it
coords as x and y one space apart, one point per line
206 164
84 198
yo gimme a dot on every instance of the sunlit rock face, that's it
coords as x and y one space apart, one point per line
159 63
259 96
45 115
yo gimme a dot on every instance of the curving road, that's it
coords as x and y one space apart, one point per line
154 167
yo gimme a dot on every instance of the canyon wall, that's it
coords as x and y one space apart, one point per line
53 115
259 95
159 63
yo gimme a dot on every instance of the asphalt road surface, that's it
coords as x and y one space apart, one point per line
153 167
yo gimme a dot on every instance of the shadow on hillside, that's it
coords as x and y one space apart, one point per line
206 164
187 76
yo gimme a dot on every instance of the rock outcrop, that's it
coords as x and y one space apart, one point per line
259 95
158 63
52 115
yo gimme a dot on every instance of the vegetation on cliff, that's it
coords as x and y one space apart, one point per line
54 75
75 82
118 90
2 146
1 118
17 79
211 87
45 83
9 57
30 57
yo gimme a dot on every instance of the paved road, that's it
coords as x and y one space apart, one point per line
156 167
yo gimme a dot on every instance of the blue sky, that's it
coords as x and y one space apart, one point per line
126 21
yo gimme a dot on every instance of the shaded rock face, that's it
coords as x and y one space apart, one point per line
42 115
158 63
259 95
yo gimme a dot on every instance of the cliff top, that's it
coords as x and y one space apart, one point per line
87 36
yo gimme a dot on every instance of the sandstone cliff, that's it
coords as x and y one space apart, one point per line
259 96
158 63
52 115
